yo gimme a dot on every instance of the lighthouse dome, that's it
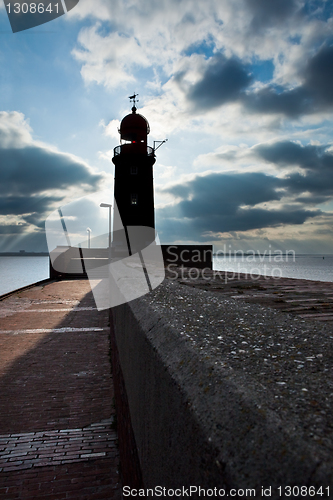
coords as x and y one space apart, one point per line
134 127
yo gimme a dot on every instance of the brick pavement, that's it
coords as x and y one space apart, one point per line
57 417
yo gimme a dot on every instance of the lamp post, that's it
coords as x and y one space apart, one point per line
88 231
106 205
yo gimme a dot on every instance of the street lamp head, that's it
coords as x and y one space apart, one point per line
105 205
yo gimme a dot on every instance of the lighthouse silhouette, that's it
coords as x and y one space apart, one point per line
134 262
133 184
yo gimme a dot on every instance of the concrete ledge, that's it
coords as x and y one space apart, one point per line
206 407
130 465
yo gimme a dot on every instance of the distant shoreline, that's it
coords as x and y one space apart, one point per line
24 254
272 254
215 254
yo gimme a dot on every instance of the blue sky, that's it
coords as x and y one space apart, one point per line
242 89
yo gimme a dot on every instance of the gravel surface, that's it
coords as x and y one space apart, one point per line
286 360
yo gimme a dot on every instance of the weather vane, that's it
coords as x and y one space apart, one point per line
133 98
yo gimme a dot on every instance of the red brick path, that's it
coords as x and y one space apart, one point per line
57 436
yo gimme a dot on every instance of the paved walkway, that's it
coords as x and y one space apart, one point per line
57 417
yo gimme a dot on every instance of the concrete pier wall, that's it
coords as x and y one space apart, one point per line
73 261
198 256
202 416
172 448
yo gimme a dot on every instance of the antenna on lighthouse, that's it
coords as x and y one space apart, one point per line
159 144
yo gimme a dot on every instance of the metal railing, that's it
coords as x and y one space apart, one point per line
129 148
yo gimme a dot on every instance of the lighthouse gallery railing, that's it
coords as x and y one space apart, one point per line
128 148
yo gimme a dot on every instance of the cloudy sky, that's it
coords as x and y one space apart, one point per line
242 89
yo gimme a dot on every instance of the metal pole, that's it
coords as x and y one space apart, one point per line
110 226
107 205
88 231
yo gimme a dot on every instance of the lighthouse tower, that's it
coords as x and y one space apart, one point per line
133 186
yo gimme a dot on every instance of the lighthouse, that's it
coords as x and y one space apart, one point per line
133 178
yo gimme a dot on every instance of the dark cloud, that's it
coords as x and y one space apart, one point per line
286 153
277 100
315 94
226 203
223 81
226 191
29 178
314 183
36 219
315 161
268 13
25 204
228 80
319 75
229 202
313 199
13 228
33 169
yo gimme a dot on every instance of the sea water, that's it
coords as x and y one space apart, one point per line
308 267
16 272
